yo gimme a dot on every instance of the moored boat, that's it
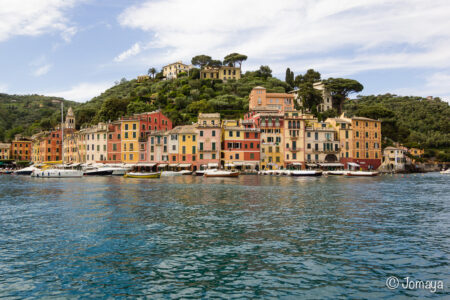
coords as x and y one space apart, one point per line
336 172
25 171
306 173
445 171
143 175
99 172
57 173
221 173
361 173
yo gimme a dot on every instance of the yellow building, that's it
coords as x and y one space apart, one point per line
130 140
416 152
187 146
171 71
5 151
272 140
224 73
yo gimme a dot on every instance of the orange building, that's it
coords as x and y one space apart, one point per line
360 141
21 149
280 101
50 148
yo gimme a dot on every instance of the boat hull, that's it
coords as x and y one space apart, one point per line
306 173
142 175
57 174
99 173
362 173
221 174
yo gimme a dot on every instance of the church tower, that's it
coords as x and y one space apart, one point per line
70 119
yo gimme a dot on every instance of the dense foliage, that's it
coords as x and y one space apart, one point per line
412 121
29 114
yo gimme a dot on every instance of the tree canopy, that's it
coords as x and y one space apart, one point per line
340 89
201 60
233 58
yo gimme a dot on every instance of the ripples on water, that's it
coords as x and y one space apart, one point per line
251 237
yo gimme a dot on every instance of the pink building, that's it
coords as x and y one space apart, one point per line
260 99
209 140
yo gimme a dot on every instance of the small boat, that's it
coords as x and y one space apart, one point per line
306 173
143 175
221 173
185 172
171 173
25 171
99 172
361 173
445 171
57 173
336 172
200 172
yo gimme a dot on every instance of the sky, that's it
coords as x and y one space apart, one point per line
76 49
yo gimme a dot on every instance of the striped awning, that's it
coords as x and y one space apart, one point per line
162 165
184 165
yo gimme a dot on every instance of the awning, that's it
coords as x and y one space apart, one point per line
213 165
173 165
146 164
238 163
353 164
229 165
331 165
311 165
253 163
184 165
162 165
296 164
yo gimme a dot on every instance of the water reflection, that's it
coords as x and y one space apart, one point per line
252 236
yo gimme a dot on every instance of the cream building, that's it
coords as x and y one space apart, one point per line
5 150
322 146
171 71
326 103
95 139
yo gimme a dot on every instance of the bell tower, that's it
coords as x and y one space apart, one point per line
70 119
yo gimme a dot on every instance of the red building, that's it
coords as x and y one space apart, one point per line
50 146
114 143
151 121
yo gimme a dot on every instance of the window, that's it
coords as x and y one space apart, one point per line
131 147
376 134
247 135
236 156
126 135
193 157
184 138
114 157
252 155
104 147
316 147
308 157
213 132
346 154
183 158
230 133
213 156
184 149
134 134
367 154
152 148
367 145
294 155
201 146
114 148
174 158
131 156
308 146
152 140
98 148
118 136
174 148
201 155
213 145
238 133
357 144
126 126
367 134
193 138
193 149
308 134
357 154
134 126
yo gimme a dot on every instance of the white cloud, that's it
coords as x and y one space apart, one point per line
31 17
82 91
134 50
42 70
339 37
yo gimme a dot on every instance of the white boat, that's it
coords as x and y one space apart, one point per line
221 173
306 173
25 171
171 173
336 172
361 173
57 173
445 171
99 172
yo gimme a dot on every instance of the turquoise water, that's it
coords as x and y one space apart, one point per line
250 237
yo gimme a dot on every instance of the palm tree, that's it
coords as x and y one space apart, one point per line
152 71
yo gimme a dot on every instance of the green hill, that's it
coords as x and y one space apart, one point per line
28 114
180 99
412 121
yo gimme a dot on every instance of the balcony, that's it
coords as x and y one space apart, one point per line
292 137
207 150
